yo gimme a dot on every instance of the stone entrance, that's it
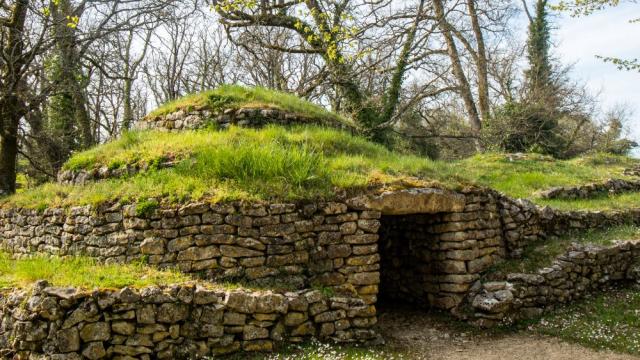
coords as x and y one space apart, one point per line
434 244
407 260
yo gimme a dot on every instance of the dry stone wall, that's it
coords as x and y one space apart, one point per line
634 171
248 117
581 270
611 186
435 260
286 244
432 259
177 322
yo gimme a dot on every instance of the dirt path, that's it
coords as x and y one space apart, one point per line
424 337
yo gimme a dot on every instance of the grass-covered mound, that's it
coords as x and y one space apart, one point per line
305 162
237 97
82 273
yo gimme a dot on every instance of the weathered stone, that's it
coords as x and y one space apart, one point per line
153 246
68 340
100 331
172 313
241 302
94 350
199 253
236 251
414 201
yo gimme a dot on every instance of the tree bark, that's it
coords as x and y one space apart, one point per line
481 63
458 71
9 143
11 109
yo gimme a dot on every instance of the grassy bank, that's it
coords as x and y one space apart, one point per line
82 273
306 162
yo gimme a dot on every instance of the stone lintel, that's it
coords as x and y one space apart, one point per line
411 201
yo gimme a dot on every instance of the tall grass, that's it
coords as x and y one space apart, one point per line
289 163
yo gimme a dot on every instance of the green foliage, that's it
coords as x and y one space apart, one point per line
540 87
145 208
602 202
82 272
236 96
525 127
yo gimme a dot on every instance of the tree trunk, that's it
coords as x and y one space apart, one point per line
458 72
8 146
481 63
127 117
10 105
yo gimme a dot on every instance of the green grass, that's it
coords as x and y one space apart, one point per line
82 273
270 163
236 96
541 254
524 178
608 321
306 162
600 203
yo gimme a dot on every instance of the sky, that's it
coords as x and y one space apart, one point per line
606 33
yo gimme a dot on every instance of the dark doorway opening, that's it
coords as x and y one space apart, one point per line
408 264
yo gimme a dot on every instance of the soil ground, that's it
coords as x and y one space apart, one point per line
421 335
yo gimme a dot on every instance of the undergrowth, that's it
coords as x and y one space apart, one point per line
607 321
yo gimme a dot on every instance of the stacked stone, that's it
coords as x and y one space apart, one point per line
561 222
611 186
581 270
246 117
433 259
522 223
634 171
81 177
323 245
525 223
184 321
